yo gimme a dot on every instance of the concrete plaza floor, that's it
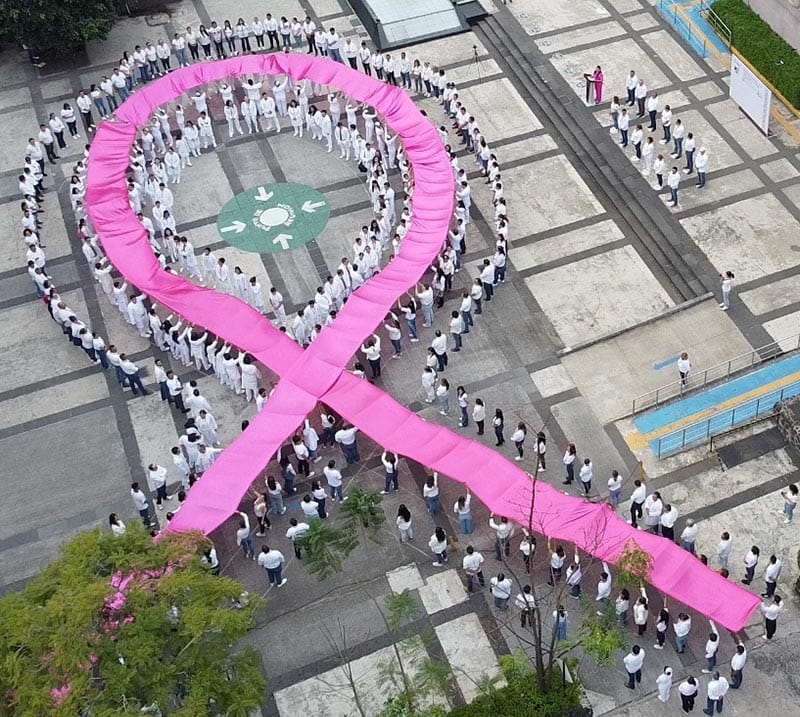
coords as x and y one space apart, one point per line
572 337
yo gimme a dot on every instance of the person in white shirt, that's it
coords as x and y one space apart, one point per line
141 504
372 350
724 548
346 438
673 181
684 366
688 691
207 425
666 125
526 604
712 646
667 521
438 546
701 164
332 39
737 665
716 690
637 501
243 537
501 591
614 488
790 497
430 492
664 684
117 526
633 666
175 388
472 564
682 626
272 561
295 533
750 562
771 612
504 530
604 586
158 479
586 475
689 536
653 508
574 576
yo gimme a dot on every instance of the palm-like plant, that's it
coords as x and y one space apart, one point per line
362 514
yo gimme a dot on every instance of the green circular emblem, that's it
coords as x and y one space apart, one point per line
273 218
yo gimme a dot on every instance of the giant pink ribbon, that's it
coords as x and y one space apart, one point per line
318 373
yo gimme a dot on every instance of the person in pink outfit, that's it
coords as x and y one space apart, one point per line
597 78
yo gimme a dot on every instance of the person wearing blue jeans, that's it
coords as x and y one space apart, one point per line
682 627
473 564
389 461
461 398
430 491
501 591
272 561
673 181
712 645
131 372
346 438
677 138
243 537
689 149
464 513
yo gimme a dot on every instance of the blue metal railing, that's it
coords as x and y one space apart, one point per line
745 412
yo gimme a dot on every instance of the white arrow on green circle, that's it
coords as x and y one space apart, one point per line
237 227
283 240
262 195
311 207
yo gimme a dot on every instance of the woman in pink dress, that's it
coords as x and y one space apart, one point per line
597 78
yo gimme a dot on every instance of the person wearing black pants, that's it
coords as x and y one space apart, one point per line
688 691
637 501
771 612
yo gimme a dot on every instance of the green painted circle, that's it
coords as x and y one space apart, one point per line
273 218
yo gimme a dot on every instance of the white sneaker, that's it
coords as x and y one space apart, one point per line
612 130
663 141
786 520
517 458
685 171
437 564
674 156
384 492
658 647
283 582
312 474
634 158
656 187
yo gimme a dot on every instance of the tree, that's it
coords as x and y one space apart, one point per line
117 624
326 545
599 636
58 26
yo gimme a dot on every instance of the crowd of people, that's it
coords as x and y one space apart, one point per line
164 150
656 163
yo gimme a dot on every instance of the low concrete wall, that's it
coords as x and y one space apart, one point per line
783 16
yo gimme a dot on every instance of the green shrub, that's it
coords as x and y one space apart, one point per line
767 51
521 696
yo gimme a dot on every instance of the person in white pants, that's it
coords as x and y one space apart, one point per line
296 118
342 135
232 117
250 115
206 130
172 162
250 376
268 109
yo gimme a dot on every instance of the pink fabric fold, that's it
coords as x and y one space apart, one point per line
318 373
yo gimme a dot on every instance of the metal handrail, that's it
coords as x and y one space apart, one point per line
724 421
683 24
720 372
716 23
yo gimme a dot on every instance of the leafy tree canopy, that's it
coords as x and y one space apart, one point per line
115 624
58 26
